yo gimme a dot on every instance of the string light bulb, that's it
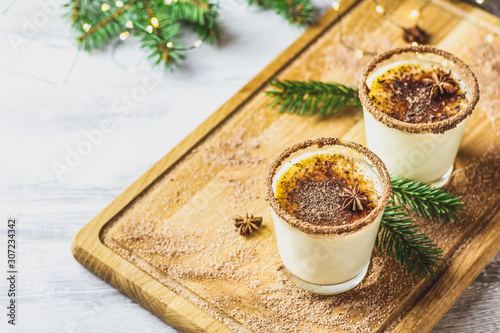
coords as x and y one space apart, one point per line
154 22
124 35
197 43
170 45
119 4
86 26
444 63
336 5
379 9
105 7
149 29
414 44
415 13
168 2
129 25
489 38
359 54
479 1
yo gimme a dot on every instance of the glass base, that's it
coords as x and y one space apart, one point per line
443 180
331 289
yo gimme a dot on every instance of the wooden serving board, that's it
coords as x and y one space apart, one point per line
168 241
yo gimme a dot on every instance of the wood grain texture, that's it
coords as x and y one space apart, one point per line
184 315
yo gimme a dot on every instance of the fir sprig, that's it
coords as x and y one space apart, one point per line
159 23
412 249
311 97
425 200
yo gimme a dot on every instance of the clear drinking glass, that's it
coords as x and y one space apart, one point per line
327 259
421 151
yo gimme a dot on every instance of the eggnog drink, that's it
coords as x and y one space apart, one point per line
327 200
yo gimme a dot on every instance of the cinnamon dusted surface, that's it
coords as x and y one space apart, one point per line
312 189
181 234
403 93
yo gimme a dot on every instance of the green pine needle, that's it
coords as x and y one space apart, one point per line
312 97
402 238
99 27
425 200
201 16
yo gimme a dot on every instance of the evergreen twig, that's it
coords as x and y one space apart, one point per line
98 26
425 200
311 97
401 237
201 15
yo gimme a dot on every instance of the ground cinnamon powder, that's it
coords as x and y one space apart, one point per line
198 254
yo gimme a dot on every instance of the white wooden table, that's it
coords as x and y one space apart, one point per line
52 99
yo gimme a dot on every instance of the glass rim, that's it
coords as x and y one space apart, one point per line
438 127
328 230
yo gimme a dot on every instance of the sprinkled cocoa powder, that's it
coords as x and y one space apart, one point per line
437 127
402 93
330 228
311 190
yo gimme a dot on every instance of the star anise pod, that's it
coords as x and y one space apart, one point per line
247 225
415 34
440 85
353 198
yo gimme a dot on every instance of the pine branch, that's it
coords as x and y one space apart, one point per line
75 11
401 237
163 53
105 30
201 16
425 200
312 97
156 40
300 12
99 22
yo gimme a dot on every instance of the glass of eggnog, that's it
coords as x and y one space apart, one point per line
327 197
416 102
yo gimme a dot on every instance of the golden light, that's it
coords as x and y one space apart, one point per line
154 22
170 44
119 4
379 9
444 63
149 28
86 27
359 54
168 2
479 1
336 5
197 43
414 44
124 35
414 13
105 7
129 24
489 38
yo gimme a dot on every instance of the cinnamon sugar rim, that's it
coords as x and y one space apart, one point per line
436 127
328 230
